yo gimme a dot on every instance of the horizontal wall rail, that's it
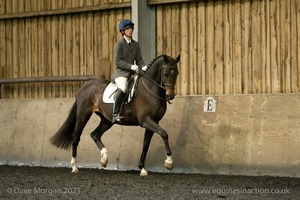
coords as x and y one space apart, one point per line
66 11
158 2
47 79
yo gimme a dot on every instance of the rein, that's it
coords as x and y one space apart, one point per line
159 85
164 99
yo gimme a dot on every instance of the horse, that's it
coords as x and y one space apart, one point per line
155 88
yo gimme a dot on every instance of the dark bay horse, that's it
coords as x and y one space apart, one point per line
154 89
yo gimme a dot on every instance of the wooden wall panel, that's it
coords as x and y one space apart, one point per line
218 49
15 57
228 34
236 57
61 44
255 33
200 50
192 45
2 46
33 30
246 47
184 40
209 48
226 47
40 55
20 6
242 47
285 40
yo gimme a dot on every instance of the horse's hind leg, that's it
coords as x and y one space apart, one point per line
97 134
80 124
147 139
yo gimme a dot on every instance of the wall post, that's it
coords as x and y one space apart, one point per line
143 16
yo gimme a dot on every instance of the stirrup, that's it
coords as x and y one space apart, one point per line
116 118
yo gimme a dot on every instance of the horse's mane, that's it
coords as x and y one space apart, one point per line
155 60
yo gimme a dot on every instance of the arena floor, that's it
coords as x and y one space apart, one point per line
60 183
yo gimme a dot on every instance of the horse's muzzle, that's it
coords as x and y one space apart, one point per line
170 93
170 96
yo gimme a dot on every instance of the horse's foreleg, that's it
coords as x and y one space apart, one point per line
147 139
169 160
154 127
169 163
97 134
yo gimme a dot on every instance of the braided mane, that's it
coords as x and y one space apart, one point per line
155 60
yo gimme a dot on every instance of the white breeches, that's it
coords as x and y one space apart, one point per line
121 83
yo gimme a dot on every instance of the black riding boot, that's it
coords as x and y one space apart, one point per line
119 98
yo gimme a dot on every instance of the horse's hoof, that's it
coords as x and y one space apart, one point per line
104 157
143 172
169 165
103 162
74 170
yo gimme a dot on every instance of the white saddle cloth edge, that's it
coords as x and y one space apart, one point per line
111 88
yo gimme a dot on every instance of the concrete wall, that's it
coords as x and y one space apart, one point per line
248 135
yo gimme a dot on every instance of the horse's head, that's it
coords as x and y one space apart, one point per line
169 73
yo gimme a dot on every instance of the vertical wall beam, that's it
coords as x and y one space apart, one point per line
143 16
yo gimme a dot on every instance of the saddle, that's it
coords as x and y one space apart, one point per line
111 89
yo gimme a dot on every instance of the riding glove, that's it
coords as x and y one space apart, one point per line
145 68
134 68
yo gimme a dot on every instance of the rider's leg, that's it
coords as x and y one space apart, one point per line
119 97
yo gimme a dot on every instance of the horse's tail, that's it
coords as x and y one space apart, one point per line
63 137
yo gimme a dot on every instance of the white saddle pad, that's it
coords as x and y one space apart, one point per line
110 90
109 93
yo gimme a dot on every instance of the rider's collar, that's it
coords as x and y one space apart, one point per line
126 39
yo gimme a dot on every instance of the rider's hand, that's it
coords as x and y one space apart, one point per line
145 68
134 68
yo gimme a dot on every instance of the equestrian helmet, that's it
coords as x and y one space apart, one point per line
126 23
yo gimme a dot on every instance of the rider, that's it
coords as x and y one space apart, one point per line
128 59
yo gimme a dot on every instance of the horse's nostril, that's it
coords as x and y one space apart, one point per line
170 97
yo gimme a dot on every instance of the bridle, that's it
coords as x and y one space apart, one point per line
162 85
168 85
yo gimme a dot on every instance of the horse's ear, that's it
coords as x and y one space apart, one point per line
166 60
178 58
